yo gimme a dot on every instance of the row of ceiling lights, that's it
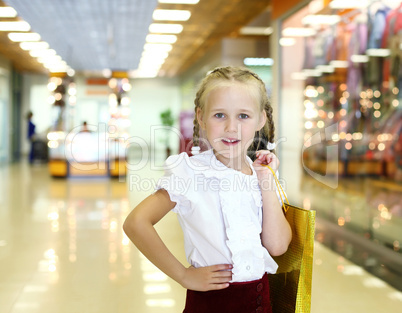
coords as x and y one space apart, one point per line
161 37
19 31
159 41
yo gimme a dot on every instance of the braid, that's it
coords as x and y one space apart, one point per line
196 129
269 127
267 133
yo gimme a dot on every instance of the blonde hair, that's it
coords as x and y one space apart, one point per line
222 76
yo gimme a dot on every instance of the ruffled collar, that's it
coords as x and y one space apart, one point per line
209 166
212 167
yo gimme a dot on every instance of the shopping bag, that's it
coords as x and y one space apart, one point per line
290 287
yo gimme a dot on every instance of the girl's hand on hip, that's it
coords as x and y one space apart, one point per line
265 157
207 278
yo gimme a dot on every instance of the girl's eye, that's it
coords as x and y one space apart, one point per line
219 115
243 116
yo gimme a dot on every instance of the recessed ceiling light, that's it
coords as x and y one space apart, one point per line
339 63
55 64
287 42
349 4
19 26
18 37
298 32
51 59
70 72
7 12
107 72
144 73
359 58
34 45
155 54
158 47
321 19
42 53
161 38
261 31
150 66
258 61
166 28
60 64
378 52
180 1
58 69
325 68
312 73
171 15
145 61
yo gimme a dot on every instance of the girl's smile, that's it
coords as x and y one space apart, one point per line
230 141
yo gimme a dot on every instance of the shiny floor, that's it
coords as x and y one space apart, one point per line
62 250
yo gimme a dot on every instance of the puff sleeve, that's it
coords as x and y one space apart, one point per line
178 182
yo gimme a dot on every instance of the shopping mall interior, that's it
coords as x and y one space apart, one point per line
95 94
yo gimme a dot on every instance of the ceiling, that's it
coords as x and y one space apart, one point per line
94 35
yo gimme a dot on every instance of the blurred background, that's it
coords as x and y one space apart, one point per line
95 94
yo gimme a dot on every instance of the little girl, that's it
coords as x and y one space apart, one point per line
229 210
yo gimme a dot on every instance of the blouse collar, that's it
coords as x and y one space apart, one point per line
215 168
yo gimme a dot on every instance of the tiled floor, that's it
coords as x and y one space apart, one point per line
62 250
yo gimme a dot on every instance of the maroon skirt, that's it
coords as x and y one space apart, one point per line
244 297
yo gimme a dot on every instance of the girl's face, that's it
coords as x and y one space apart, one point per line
230 118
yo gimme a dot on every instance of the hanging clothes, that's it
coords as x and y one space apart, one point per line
308 53
357 46
376 26
392 28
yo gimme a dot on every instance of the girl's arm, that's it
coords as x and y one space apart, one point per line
276 232
139 227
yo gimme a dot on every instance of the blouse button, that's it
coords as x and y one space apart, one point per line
248 267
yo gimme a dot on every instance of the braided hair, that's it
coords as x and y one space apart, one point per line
218 77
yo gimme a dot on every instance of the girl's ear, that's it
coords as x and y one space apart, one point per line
200 118
263 120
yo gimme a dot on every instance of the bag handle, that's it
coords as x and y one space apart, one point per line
280 189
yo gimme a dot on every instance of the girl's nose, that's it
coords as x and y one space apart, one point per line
232 125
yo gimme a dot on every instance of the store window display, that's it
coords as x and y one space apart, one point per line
89 138
348 74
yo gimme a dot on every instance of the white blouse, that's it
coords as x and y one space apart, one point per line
220 212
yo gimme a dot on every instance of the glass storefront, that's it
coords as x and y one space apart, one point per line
340 88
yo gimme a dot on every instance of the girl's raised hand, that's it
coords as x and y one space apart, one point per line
265 157
207 278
